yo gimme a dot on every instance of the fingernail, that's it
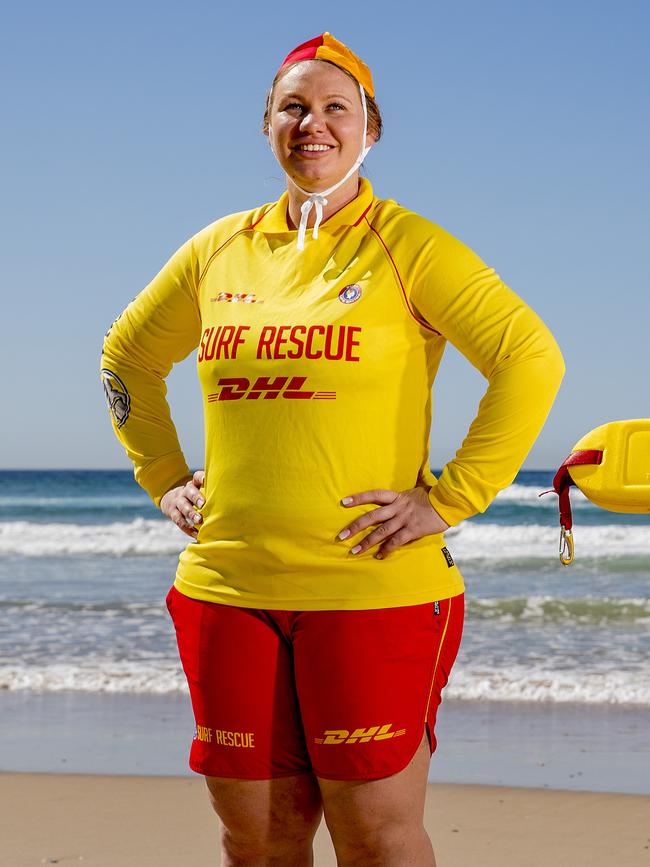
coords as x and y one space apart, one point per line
197 518
346 500
344 534
379 556
355 550
200 503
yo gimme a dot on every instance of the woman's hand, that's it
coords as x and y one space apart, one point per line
403 516
180 504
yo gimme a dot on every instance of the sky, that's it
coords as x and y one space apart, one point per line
522 128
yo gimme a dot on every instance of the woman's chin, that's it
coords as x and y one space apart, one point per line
312 181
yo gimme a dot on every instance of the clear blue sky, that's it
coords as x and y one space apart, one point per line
520 127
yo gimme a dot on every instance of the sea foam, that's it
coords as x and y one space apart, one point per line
532 495
470 540
468 682
482 540
140 537
544 684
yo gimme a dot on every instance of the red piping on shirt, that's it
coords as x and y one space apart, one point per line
252 225
363 215
422 322
228 240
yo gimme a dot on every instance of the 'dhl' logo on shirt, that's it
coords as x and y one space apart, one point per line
236 297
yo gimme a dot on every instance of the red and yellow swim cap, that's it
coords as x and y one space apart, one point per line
327 47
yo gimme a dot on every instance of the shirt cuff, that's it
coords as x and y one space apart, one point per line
449 511
162 475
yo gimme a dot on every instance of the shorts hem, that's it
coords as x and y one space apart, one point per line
267 776
369 777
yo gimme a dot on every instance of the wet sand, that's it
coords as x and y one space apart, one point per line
533 745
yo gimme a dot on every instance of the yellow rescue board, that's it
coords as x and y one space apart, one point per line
621 482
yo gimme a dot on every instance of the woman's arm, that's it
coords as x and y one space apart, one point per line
159 328
468 303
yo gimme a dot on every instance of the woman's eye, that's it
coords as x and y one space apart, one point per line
297 106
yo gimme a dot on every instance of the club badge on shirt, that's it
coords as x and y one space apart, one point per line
349 294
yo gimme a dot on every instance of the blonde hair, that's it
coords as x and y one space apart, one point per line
375 125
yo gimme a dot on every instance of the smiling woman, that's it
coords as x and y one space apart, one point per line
318 611
318 129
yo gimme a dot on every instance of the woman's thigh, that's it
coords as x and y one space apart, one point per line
375 810
267 817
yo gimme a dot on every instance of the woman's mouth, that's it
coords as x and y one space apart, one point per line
312 149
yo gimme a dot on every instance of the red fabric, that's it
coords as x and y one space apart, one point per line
562 481
304 51
343 694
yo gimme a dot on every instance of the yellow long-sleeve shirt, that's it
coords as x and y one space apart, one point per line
316 369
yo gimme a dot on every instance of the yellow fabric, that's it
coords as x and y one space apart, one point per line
278 464
335 51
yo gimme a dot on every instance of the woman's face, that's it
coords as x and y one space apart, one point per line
316 124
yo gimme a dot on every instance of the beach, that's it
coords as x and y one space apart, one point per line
118 821
102 780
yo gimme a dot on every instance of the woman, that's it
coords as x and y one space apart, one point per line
319 613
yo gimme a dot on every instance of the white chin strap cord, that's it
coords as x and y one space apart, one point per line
318 200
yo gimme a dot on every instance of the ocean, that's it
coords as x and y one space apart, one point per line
86 561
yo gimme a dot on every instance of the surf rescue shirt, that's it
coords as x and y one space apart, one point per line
316 370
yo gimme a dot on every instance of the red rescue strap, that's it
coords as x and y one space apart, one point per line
562 483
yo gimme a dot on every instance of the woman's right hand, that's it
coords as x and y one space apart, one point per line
180 504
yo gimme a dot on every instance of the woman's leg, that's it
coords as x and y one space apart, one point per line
380 822
249 742
265 823
369 685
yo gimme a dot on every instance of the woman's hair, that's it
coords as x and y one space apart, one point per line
374 116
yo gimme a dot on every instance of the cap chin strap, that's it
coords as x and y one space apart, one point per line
318 200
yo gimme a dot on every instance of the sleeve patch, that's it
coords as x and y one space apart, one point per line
117 396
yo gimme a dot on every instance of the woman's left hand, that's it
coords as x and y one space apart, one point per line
403 516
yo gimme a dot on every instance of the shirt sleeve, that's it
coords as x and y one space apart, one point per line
467 302
160 327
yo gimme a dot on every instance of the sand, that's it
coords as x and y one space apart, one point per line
129 821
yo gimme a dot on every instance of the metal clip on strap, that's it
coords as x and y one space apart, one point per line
562 482
566 547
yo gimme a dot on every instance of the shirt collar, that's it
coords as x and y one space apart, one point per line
274 219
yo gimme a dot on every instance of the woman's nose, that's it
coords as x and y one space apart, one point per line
311 121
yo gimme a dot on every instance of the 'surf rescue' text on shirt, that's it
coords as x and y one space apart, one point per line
331 342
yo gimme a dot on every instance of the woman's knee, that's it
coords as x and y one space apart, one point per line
266 819
386 843
381 821
286 850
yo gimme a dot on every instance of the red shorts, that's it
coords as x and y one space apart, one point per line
345 695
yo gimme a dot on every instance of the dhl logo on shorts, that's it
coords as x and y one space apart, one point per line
362 736
291 388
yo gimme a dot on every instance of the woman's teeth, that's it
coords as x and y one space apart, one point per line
314 147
